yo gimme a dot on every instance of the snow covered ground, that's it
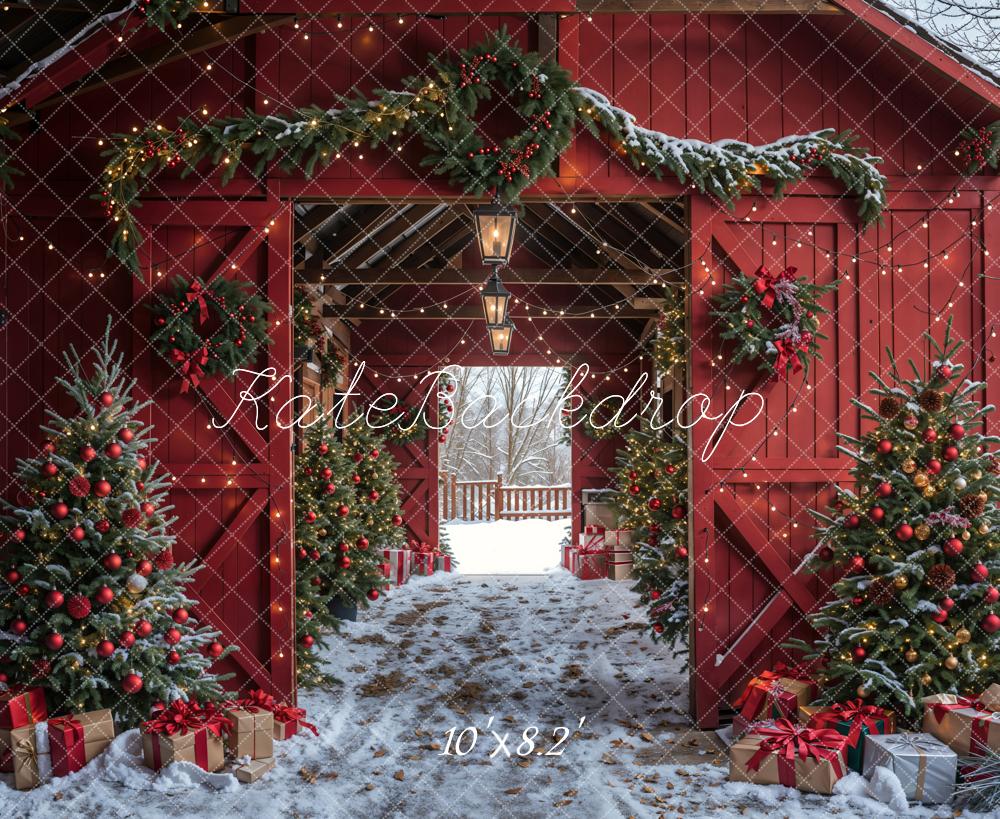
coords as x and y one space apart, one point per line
452 650
507 546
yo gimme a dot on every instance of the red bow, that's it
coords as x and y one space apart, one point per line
195 293
68 722
857 714
191 366
791 742
287 713
765 281
181 717
941 708
786 355
257 701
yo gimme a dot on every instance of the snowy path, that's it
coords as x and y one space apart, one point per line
454 650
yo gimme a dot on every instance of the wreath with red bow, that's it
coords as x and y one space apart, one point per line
212 328
773 318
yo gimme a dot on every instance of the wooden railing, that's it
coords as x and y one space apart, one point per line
491 500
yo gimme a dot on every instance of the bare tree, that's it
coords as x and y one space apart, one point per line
971 26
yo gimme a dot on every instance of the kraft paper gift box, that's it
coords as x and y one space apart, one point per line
28 750
75 739
399 564
21 705
592 541
966 726
770 694
619 569
742 726
590 565
185 732
254 769
599 514
252 733
812 760
926 767
855 720
288 720
618 540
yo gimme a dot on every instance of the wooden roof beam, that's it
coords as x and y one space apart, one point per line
462 277
475 313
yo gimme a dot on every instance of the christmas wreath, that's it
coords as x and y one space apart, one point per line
773 318
210 328
980 147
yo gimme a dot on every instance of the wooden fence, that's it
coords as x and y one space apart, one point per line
491 500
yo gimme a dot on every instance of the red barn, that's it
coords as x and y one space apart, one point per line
381 229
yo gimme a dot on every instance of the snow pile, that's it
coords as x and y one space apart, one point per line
507 546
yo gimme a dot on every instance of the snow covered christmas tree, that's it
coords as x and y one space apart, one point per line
914 612
95 609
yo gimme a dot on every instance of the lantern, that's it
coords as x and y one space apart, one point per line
496 299
500 336
495 225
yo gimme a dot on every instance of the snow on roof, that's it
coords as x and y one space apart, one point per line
968 30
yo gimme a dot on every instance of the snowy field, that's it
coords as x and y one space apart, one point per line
507 546
448 651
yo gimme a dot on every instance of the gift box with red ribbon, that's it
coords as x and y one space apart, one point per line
442 562
568 551
777 693
20 706
254 769
618 540
75 739
968 726
253 731
423 563
591 541
812 760
186 731
855 720
619 569
288 721
398 563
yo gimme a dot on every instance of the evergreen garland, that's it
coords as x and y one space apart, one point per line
980 148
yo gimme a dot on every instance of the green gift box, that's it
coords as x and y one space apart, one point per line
854 720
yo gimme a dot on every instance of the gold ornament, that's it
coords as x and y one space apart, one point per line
321 532
962 636
966 534
901 581
926 679
862 691
976 474
911 422
922 531
921 480
911 656
983 497
951 662
928 491
909 466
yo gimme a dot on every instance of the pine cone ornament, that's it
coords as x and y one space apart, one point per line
79 486
940 577
971 506
881 592
889 406
931 400
164 560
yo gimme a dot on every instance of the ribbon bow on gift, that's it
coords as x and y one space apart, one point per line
191 366
68 722
257 700
939 709
765 281
181 717
766 684
790 742
288 713
856 713
195 293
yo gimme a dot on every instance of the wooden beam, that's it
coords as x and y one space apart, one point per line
462 277
394 224
475 313
674 229
706 7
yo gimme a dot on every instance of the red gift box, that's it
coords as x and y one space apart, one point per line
20 706
423 563
288 720
590 565
186 731
777 693
442 563
593 529
398 563
568 551
76 739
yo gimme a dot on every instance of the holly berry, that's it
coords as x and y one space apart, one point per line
132 683
105 648
54 599
180 615
143 628
112 562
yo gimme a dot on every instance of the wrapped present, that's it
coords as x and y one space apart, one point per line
968 726
777 693
442 562
593 542
809 759
926 767
21 705
590 566
398 561
854 720
186 731
422 563
599 514
75 739
593 529
252 734
619 569
253 769
288 720
742 726
27 748
618 540
567 556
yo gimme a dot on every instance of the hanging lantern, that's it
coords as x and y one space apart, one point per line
496 300
500 336
495 225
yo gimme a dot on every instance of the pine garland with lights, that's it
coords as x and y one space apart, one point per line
773 319
310 338
914 611
95 608
980 148
210 329
440 110
651 499
670 343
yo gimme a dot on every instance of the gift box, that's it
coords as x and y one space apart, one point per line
21 705
591 542
854 720
777 693
619 569
288 720
590 566
252 733
926 767
967 726
26 750
442 563
812 760
618 540
599 514
568 551
187 732
743 726
422 563
75 739
594 530
398 561
254 769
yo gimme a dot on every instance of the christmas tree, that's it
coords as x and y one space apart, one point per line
377 504
95 608
914 544
652 501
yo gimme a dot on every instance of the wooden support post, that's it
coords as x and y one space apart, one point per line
499 496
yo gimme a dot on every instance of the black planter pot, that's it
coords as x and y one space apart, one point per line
343 609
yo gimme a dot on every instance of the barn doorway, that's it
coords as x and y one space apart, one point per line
505 470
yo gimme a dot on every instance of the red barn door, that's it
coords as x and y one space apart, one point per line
233 486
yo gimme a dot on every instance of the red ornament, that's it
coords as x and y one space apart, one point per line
681 552
307 640
103 526
343 547
77 533
148 509
956 431
54 599
852 521
173 657
103 596
132 683
373 594
884 489
358 457
164 559
940 616
857 564
106 399
215 649
327 473
375 454
78 606
654 595
131 517
373 495
655 503
749 323
362 543
947 604
884 446
126 435
112 562
302 552
102 489
144 568
13 576
950 453
19 535
140 462
316 581
857 601
992 594
180 615
49 470
143 628
24 590
356 479
18 626
930 435
658 628
105 648
331 488
344 562
315 554
113 450
634 489
859 653
87 453
48 447
59 510
877 514
54 641
990 623
953 547
172 636
397 520
322 449
310 517
904 532
979 573
933 466
944 371
825 553
678 512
